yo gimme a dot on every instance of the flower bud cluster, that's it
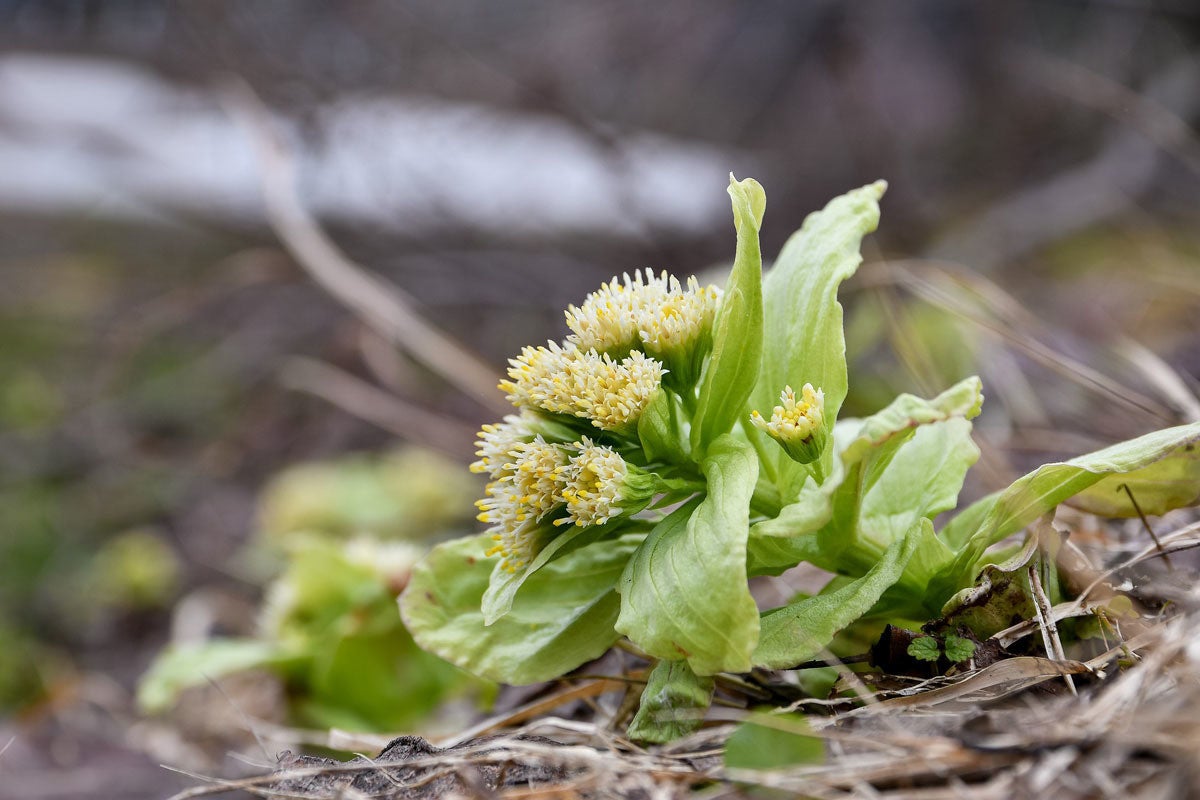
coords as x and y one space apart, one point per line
623 339
580 483
656 313
582 383
797 424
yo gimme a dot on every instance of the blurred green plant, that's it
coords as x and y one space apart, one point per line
133 570
638 490
24 663
328 626
411 493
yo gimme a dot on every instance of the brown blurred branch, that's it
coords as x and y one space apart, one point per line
1099 189
380 304
1142 112
376 406
975 298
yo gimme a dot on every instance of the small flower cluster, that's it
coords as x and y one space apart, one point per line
582 383
657 313
591 483
798 425
669 322
625 339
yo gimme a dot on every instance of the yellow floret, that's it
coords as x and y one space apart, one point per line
610 393
594 479
654 312
496 441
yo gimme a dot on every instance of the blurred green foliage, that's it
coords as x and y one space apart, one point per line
22 665
897 344
134 570
330 628
407 494
773 741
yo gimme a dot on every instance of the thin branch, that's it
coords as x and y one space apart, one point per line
382 305
1146 524
369 403
983 303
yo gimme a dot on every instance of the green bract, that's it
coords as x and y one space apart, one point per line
643 483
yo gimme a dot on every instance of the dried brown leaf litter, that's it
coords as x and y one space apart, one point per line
1008 729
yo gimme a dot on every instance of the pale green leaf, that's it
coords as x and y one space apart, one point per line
684 593
673 703
923 479
801 630
890 480
773 741
503 586
778 544
803 339
1171 482
774 555
738 330
905 414
1003 514
659 431
375 681
810 511
563 616
962 527
181 667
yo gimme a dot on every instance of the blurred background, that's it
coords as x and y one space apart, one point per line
188 371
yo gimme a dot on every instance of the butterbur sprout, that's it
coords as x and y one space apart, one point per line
515 504
530 486
535 474
681 318
534 375
516 545
613 396
797 424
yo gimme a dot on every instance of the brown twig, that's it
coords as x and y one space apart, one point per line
380 304
367 402
1146 524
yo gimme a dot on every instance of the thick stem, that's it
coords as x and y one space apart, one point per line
766 500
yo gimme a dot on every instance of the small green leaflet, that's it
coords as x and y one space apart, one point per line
924 648
673 703
958 649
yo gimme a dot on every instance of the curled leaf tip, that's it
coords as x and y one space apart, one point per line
749 201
